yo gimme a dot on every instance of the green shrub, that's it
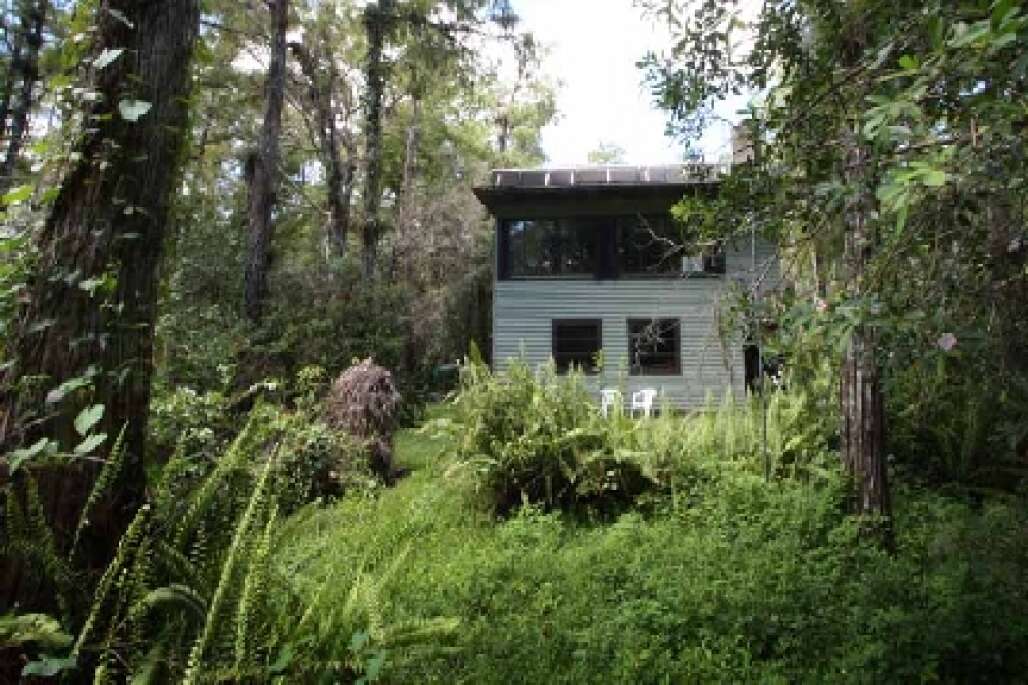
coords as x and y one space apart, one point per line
731 579
198 424
190 595
953 417
535 437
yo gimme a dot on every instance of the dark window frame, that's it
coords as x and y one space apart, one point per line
608 252
632 324
590 369
509 262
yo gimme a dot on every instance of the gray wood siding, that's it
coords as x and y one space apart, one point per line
523 312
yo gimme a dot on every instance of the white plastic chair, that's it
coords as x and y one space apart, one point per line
609 397
642 400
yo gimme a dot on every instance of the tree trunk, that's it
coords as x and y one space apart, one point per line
32 23
377 19
338 174
262 170
861 393
106 225
405 237
10 78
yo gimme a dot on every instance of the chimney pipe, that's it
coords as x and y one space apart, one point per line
743 149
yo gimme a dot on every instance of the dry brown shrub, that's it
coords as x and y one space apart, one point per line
363 402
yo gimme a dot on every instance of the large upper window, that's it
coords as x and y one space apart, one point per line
551 247
632 246
576 343
654 347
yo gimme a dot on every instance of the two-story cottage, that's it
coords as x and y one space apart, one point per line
588 261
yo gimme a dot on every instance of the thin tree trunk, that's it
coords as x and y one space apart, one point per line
377 19
108 218
404 222
262 171
32 27
338 174
861 393
10 80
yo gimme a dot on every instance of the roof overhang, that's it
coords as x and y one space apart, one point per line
594 189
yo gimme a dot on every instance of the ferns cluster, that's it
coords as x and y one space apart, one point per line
192 594
532 436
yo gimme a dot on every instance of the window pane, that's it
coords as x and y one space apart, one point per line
654 347
648 245
549 247
576 342
714 259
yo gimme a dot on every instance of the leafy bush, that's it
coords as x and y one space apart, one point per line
957 418
195 423
727 578
538 438
190 595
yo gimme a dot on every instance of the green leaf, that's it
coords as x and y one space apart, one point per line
934 178
19 457
901 217
19 194
39 629
107 57
48 666
90 443
909 62
132 110
285 657
374 668
358 641
88 417
1003 10
66 388
965 35
120 17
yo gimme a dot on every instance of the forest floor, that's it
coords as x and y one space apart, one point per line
742 582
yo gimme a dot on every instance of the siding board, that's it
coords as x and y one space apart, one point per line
524 310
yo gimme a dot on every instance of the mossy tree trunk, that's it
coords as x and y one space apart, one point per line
862 402
262 170
377 21
24 73
91 305
323 83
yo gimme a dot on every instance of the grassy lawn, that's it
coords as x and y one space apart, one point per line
743 582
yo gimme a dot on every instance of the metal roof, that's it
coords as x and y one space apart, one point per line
605 176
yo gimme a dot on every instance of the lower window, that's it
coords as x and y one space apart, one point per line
654 347
576 343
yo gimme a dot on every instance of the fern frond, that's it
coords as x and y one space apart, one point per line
126 548
169 595
253 588
177 563
44 546
227 572
210 489
109 471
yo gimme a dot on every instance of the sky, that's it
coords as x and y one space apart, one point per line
594 45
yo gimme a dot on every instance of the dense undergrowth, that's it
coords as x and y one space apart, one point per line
536 541
722 578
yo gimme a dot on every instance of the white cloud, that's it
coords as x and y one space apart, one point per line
594 45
